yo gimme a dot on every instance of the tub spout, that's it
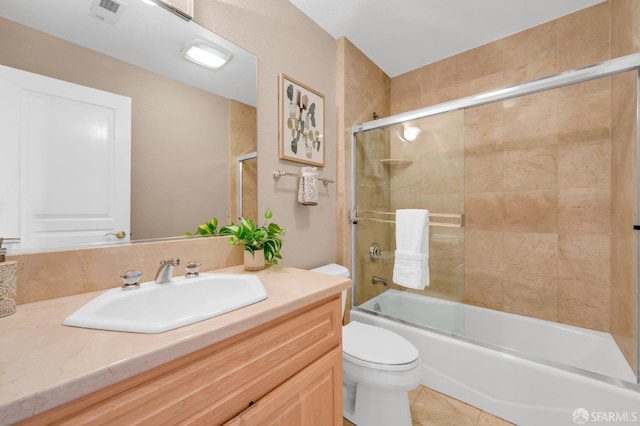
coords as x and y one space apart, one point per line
378 280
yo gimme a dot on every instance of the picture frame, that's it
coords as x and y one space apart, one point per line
301 128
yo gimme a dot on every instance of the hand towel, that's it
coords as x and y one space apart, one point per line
411 263
308 189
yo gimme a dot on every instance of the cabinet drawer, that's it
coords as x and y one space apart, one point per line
213 384
313 397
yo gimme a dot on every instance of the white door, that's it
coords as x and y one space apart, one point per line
65 160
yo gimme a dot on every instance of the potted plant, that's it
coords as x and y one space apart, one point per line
262 244
207 229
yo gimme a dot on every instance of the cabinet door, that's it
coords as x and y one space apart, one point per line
212 385
313 397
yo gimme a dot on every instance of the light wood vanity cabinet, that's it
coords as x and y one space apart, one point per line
308 398
287 371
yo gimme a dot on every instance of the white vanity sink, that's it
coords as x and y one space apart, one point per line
154 308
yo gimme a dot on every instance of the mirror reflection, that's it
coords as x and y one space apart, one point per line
186 124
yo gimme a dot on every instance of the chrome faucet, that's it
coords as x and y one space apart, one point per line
166 269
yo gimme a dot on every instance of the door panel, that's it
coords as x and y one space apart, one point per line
73 154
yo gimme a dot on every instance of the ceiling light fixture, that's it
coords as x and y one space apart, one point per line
205 54
410 133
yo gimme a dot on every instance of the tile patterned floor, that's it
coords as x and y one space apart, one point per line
431 408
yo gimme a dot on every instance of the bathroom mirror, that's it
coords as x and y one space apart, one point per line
183 115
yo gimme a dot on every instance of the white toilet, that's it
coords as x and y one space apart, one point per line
379 368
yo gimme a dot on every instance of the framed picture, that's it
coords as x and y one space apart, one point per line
301 123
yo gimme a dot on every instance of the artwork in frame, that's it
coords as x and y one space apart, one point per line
301 123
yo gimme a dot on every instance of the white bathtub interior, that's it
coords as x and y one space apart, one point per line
518 390
532 338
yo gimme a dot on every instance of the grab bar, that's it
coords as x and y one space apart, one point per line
451 215
355 218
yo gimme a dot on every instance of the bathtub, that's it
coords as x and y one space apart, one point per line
527 371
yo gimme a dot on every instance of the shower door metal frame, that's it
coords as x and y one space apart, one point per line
575 76
241 159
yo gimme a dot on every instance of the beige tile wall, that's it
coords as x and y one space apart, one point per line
625 39
44 276
362 90
537 194
243 139
545 234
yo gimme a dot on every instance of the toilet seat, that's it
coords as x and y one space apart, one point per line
377 348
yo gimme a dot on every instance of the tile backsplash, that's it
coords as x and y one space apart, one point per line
53 274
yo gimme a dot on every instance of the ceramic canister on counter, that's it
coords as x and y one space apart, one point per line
7 287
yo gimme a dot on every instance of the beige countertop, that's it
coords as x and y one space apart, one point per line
44 364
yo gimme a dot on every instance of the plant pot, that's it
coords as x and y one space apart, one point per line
255 261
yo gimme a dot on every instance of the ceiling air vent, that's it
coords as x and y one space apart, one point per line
109 11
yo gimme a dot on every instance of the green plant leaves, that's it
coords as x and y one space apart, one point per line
205 229
249 235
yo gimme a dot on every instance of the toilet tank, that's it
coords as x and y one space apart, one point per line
337 270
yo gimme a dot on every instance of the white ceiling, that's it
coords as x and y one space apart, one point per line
146 36
402 35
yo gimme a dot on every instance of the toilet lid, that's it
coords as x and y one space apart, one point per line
376 345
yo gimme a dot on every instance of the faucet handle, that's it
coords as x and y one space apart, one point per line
130 279
193 268
170 262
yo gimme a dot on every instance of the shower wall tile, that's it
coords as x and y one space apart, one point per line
538 69
443 73
624 314
583 37
446 268
483 288
622 25
531 296
531 121
484 172
406 91
584 304
584 211
538 44
584 117
482 61
624 252
585 281
449 203
623 152
442 176
530 169
531 254
636 25
584 165
484 250
484 211
438 96
483 129
403 195
530 211
585 258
